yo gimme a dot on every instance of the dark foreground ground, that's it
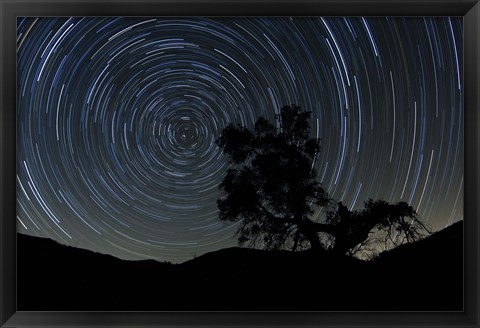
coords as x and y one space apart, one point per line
424 276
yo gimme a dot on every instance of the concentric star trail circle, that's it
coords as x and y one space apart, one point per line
118 117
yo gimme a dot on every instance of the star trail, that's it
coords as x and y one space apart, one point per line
117 120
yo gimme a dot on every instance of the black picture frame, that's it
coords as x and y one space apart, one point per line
10 9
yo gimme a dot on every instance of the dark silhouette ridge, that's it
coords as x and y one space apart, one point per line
422 276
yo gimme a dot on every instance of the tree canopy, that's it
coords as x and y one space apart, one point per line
271 189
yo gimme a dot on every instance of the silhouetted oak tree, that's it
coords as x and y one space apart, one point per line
272 191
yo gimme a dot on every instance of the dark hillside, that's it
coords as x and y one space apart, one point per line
430 270
426 275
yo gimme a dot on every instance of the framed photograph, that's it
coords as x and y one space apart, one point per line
217 163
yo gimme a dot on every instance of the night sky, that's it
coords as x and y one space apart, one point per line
118 117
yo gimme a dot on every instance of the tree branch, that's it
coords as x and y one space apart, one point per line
274 218
321 227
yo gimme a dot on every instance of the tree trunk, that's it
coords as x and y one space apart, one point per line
313 238
340 247
315 242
